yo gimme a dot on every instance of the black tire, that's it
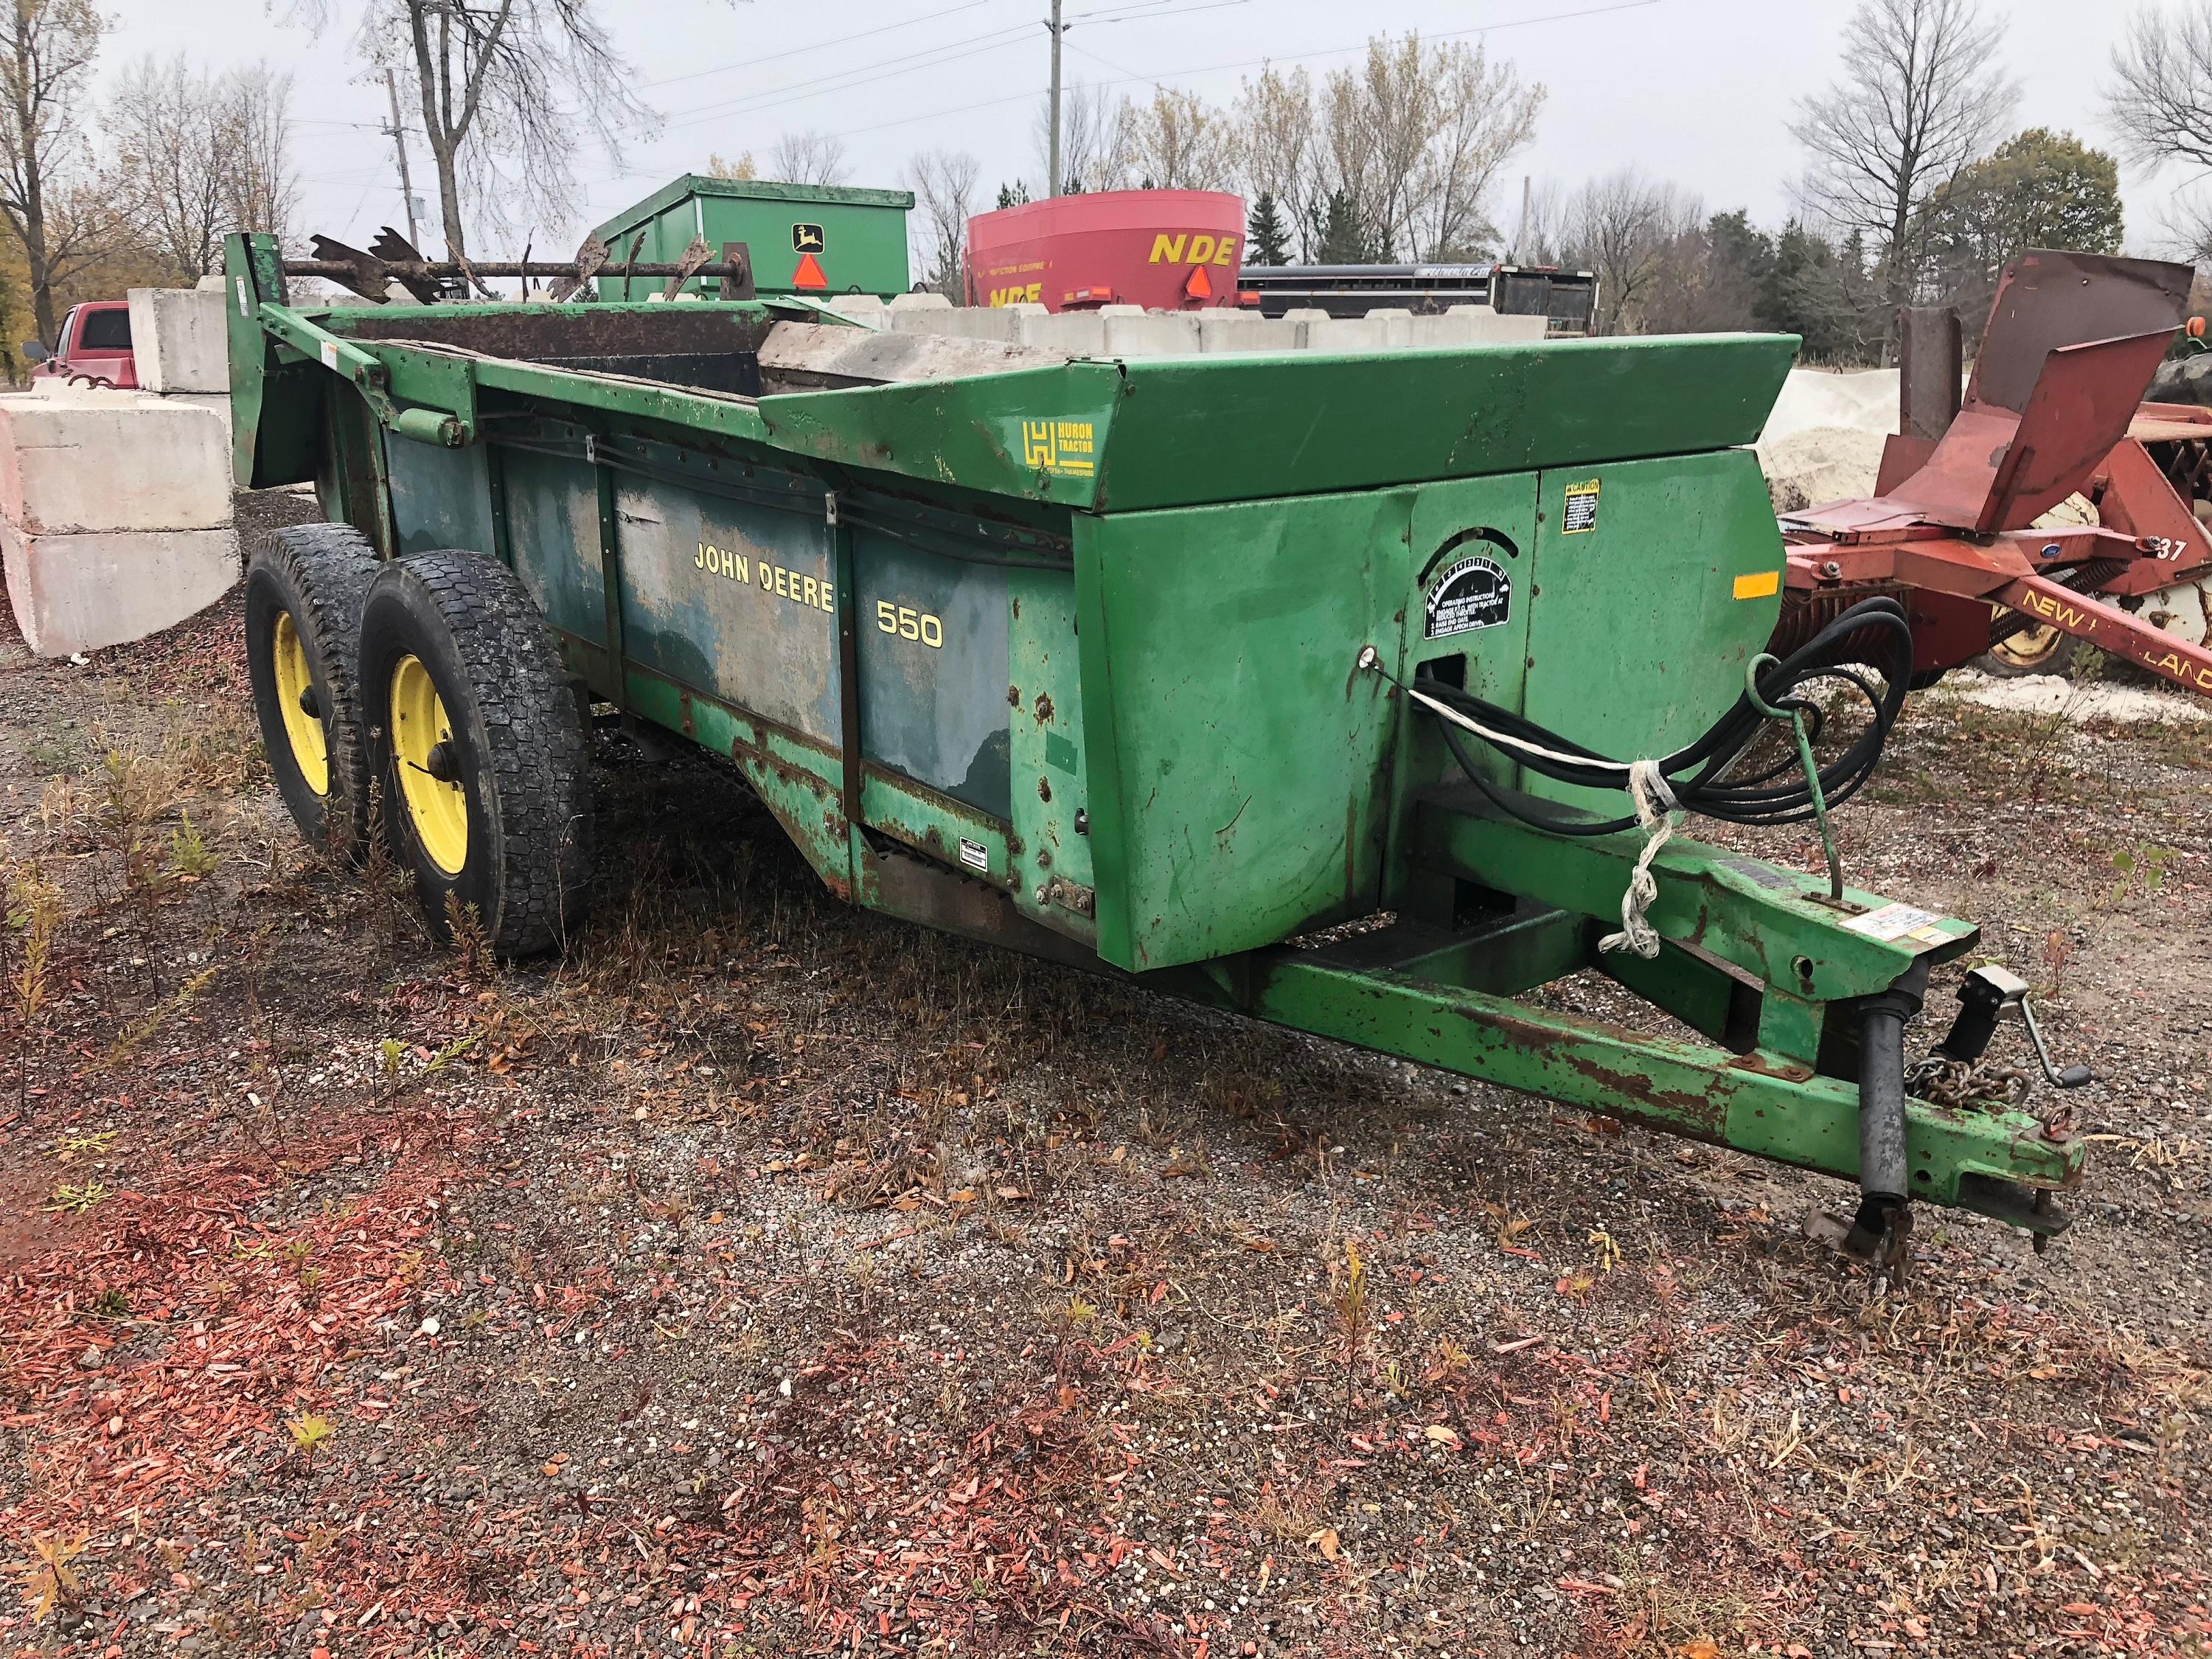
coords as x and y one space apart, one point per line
515 749
2060 659
307 583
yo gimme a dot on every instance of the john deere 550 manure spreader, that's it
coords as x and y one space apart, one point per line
1360 694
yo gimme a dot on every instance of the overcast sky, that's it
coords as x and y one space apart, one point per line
1695 91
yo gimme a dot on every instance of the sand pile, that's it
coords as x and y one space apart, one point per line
1819 464
1862 400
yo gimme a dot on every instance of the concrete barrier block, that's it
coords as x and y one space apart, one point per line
80 592
1070 333
959 322
1347 334
867 308
1246 330
1397 327
180 339
1490 328
113 461
921 300
1150 334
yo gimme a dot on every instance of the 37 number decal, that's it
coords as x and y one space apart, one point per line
2168 547
908 623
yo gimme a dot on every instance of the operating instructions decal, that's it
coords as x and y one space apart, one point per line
1473 592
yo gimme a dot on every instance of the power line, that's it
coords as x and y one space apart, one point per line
749 104
1258 62
820 45
930 58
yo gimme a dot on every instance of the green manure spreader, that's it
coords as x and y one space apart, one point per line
1360 694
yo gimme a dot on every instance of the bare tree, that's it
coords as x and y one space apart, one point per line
1408 143
1482 116
171 163
1280 149
1627 228
1094 139
2161 102
1921 95
1540 235
808 158
260 191
944 186
506 89
197 154
1180 142
48 194
2160 105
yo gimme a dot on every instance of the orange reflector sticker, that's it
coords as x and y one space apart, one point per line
1200 286
809 274
1760 585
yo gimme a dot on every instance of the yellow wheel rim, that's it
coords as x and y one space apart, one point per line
422 740
310 751
2029 648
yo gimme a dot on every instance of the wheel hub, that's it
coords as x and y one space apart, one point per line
429 767
300 707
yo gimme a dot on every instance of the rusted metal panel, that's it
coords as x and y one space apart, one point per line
2046 300
1932 366
2000 467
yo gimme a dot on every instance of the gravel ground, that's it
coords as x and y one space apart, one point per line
765 1278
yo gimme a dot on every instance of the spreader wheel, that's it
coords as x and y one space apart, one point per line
475 737
304 589
2042 650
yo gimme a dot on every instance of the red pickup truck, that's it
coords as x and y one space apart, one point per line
96 341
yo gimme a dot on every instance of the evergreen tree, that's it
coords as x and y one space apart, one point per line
1014 195
1341 242
1266 238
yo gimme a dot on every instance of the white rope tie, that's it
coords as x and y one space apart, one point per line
1655 804
1520 746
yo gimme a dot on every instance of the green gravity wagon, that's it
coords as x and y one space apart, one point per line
1359 693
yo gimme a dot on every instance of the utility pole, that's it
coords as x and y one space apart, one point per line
1058 29
399 138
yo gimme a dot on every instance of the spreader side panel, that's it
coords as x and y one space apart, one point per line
1238 758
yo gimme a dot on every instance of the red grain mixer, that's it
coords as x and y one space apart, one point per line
1166 250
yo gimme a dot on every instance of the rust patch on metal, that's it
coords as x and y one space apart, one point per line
1697 1115
779 768
1757 1063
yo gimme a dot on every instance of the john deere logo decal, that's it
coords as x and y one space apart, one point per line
808 239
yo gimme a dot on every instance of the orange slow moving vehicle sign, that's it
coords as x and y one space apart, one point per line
1168 250
806 241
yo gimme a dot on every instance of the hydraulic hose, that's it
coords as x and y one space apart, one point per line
1694 775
